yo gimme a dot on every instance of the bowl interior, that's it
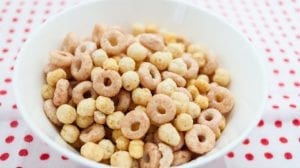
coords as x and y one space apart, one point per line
234 52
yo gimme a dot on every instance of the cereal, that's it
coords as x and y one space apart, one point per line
194 48
130 80
151 28
126 64
151 41
105 105
192 67
202 101
138 29
122 143
136 149
181 157
86 107
110 64
179 80
193 91
167 87
66 114
181 142
178 66
83 90
123 99
69 133
183 122
94 133
97 33
113 42
181 101
85 48
70 43
149 75
186 92
203 77
202 85
151 156
141 96
221 77
137 51
99 117
92 151
199 57
108 83
47 92
96 71
81 67
161 109
167 155
60 58
168 134
193 110
161 59
113 120
220 98
84 121
210 66
176 49
135 124
116 134
200 139
108 148
55 75
61 95
99 56
121 159
50 111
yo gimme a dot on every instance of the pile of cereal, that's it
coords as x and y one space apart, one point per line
146 99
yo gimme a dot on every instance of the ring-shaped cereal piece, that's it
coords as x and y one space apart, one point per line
185 91
81 67
210 66
97 33
161 109
94 133
149 75
220 98
123 99
179 80
152 41
50 111
212 118
192 65
82 91
108 83
135 124
151 156
113 42
61 93
60 58
86 47
181 157
167 155
200 139
181 143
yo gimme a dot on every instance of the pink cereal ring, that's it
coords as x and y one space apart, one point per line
149 75
60 58
50 111
135 124
113 42
108 83
220 98
123 101
82 91
193 66
151 156
61 93
179 80
185 91
81 67
161 109
86 47
151 41
200 139
210 66
212 118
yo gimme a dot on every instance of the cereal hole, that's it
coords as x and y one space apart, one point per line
87 95
208 117
219 98
201 138
152 73
83 48
107 82
146 158
161 110
113 41
135 126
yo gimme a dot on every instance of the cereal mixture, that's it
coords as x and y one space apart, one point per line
148 98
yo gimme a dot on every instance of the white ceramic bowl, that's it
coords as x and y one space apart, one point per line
234 51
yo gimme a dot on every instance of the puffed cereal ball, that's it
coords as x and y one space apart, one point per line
177 49
99 56
167 87
126 64
113 120
136 149
137 51
178 66
181 100
180 96
193 90
183 122
105 105
202 101
47 92
55 75
69 133
122 143
86 107
110 64
66 114
203 77
121 159
108 148
84 121
193 110
151 28
200 58
116 133
141 96
161 59
138 28
168 134
130 80
222 77
92 151
193 48
202 85
99 117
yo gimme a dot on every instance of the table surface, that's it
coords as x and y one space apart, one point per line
272 26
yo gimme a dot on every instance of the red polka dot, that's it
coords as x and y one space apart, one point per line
230 154
267 50
296 122
4 156
8 40
275 107
278 124
249 156
5 50
283 140
286 60
260 123
268 155
14 106
26 30
3 92
15 19
275 71
23 152
28 138
293 105
14 124
271 59
288 155
9 139
44 156
264 141
286 96
281 84
297 84
64 158
246 141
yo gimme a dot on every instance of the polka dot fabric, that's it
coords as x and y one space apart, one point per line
272 26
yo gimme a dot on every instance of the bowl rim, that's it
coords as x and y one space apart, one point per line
83 161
